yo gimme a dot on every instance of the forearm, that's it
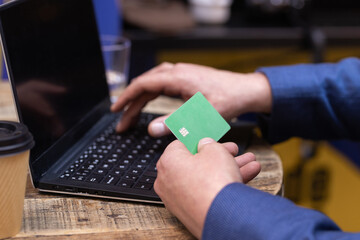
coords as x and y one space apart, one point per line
240 212
314 101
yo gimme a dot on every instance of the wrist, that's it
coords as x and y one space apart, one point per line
259 96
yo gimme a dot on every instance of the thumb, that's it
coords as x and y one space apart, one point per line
157 127
203 142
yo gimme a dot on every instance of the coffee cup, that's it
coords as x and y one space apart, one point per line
15 144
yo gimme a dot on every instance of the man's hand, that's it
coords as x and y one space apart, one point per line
230 93
187 184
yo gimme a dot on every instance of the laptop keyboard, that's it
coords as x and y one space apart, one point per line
127 159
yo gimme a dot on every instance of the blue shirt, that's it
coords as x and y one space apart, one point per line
315 101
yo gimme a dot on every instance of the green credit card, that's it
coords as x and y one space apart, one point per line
196 119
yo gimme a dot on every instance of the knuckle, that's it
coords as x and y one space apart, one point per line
179 67
135 79
163 163
159 166
157 188
166 64
180 64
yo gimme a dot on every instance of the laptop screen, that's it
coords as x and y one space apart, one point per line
55 62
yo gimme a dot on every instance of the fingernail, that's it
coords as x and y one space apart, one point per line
158 129
205 141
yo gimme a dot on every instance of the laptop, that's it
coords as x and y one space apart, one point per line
55 66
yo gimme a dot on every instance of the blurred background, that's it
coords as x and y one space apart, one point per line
242 35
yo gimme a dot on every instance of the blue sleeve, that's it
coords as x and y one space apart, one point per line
314 101
241 212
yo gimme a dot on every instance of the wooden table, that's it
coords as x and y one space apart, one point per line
50 216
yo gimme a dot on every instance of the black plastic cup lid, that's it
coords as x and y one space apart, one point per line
14 138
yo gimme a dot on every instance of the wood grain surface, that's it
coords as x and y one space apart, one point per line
52 216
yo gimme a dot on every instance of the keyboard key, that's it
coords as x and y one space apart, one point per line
112 160
126 183
115 155
135 152
150 174
88 166
106 166
117 173
123 167
136 171
148 156
95 161
119 151
78 161
155 146
143 161
111 180
159 141
147 179
151 152
127 161
65 176
140 166
139 147
117 138
131 156
101 171
95 178
83 172
124 145
97 156
78 178
102 151
143 186
70 170
131 176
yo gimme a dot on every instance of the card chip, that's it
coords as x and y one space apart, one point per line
196 119
184 131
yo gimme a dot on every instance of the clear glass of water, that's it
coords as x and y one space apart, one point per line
116 54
